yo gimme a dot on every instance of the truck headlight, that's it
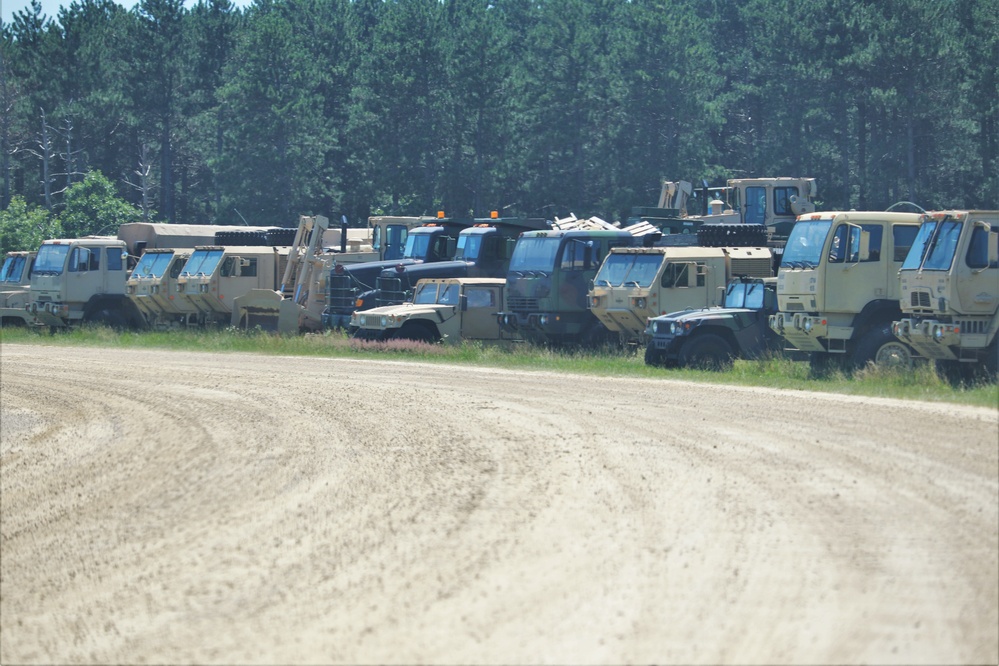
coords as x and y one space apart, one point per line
673 328
384 322
640 303
543 319
938 333
807 325
362 320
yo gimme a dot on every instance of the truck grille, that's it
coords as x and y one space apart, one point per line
341 293
391 290
523 304
920 299
973 327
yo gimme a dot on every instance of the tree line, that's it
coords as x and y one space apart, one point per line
214 115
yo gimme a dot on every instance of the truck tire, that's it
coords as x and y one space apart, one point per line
417 333
654 357
109 316
882 349
707 351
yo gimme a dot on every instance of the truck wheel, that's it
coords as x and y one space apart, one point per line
417 333
107 316
880 347
654 357
707 351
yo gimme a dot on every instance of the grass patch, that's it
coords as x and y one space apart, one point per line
920 383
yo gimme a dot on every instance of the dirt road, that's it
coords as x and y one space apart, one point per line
165 507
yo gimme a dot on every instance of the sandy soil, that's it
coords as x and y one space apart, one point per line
165 507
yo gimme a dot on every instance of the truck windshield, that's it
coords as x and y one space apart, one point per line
202 262
426 293
13 268
934 247
747 295
804 245
535 254
152 265
417 246
51 259
469 247
628 269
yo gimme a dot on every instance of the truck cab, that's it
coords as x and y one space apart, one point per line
950 291
153 287
15 285
636 283
483 250
548 283
448 309
82 280
838 287
215 275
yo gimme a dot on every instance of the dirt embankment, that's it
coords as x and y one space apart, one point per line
164 507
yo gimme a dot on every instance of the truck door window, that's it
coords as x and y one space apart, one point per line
978 248
479 297
114 258
84 259
676 275
902 239
756 205
574 256
396 236
248 267
782 200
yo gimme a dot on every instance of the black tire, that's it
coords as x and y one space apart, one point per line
708 352
417 333
882 349
108 316
820 364
732 235
654 357
598 336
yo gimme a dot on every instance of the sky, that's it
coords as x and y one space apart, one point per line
51 7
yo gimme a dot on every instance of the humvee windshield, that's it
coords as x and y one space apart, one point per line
13 268
426 293
202 262
627 269
51 259
535 254
934 247
804 245
747 295
152 265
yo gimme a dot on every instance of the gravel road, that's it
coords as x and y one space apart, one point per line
175 507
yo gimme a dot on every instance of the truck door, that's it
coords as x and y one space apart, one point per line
856 272
83 274
478 320
979 276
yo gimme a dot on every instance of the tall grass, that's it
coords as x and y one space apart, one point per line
921 382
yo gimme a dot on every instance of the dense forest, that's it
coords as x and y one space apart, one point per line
211 114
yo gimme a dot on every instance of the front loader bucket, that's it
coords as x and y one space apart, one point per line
267 310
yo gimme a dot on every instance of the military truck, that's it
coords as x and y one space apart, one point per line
152 286
215 275
348 287
442 309
838 288
949 297
15 282
636 283
548 281
82 280
483 250
713 337
772 203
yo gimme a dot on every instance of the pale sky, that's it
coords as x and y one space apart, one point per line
51 7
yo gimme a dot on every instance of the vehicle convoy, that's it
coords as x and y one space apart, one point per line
348 286
15 282
548 282
482 250
950 292
636 283
82 280
713 337
442 309
838 287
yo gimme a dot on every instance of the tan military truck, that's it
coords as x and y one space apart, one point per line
214 276
636 283
82 280
15 284
838 287
950 292
152 286
442 309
